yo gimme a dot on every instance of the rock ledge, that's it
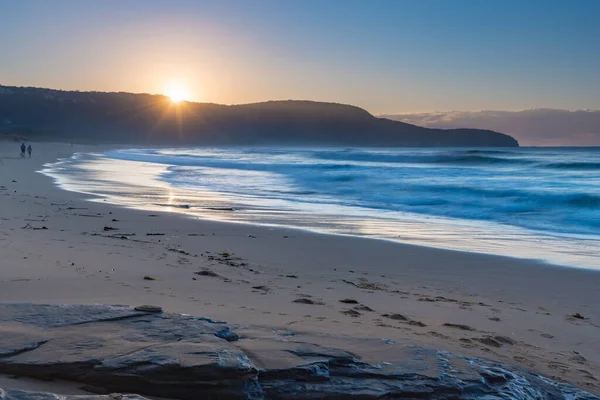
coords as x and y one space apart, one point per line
121 349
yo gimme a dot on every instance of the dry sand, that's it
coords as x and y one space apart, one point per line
54 249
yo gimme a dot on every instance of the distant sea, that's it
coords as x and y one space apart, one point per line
539 203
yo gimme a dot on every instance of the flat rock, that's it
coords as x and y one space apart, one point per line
25 395
121 349
50 316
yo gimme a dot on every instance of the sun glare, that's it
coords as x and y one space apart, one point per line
177 93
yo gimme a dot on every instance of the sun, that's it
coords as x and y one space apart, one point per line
177 93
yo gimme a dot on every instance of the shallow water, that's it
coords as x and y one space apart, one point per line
541 203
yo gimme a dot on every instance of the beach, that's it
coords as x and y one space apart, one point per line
58 248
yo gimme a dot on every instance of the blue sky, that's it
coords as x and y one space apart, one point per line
386 56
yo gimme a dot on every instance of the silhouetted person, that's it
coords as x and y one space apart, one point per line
22 149
29 150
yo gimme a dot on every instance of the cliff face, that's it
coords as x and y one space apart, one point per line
144 118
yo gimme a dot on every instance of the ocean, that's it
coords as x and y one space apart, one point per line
538 203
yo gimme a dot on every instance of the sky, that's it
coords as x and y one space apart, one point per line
397 56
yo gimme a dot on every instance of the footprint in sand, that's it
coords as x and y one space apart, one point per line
438 335
351 313
524 360
579 359
261 288
587 375
504 340
563 368
489 341
397 317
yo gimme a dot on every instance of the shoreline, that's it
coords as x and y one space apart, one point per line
528 301
145 189
89 197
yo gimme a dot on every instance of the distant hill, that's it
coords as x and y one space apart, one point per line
145 118
538 127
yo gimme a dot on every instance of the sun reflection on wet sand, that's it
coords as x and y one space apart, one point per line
141 187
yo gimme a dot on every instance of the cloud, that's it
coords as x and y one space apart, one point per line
538 127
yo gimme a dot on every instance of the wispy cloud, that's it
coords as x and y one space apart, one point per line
538 127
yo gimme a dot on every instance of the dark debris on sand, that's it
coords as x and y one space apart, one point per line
207 272
304 300
459 326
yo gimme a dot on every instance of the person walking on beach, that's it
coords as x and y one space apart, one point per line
29 150
23 150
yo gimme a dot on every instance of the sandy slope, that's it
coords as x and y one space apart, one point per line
513 311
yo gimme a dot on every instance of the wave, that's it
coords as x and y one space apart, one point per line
535 199
510 187
479 159
346 160
510 200
572 165
489 152
460 158
584 200
468 157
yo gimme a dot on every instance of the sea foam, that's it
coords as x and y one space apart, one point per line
549 198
